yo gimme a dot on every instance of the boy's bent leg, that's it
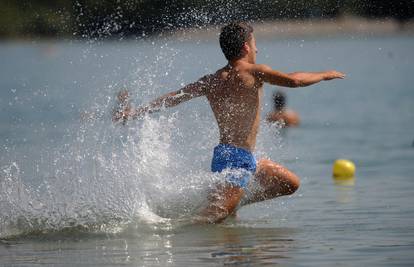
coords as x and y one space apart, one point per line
223 201
271 180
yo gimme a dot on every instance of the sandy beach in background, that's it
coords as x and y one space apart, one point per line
349 26
309 28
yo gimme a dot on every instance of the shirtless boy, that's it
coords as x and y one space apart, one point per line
234 94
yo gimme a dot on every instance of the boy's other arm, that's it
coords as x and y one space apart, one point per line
295 79
171 99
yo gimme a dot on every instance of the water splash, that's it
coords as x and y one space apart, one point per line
96 177
102 178
103 181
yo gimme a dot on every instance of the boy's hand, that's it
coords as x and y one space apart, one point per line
117 115
333 74
129 113
123 109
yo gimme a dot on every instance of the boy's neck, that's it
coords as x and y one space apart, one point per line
236 62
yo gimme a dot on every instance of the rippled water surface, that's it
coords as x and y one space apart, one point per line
76 190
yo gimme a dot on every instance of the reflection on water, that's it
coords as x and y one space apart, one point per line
344 188
186 246
344 191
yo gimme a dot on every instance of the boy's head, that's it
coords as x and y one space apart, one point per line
279 100
236 41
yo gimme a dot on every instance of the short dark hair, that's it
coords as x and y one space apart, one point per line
279 100
232 38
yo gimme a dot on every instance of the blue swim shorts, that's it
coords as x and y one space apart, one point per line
240 163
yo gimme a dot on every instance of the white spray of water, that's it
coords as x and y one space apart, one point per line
128 176
104 178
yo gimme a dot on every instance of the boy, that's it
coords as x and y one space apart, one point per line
234 94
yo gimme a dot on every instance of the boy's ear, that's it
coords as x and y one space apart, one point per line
246 48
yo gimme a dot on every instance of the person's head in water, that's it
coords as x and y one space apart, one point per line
237 41
279 100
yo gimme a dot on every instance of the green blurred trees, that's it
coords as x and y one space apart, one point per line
97 18
35 17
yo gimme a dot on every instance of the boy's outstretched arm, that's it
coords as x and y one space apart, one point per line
295 79
171 99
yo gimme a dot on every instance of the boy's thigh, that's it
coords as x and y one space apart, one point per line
270 180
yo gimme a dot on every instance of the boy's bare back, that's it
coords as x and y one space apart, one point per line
234 94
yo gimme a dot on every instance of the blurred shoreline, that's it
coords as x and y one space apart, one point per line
308 28
343 26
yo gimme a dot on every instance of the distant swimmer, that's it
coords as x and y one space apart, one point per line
280 114
234 94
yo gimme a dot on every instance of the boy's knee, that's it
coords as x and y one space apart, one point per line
293 185
289 184
287 178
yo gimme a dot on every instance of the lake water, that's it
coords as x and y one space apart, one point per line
77 190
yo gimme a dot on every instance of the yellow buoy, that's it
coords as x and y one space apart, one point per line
343 169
